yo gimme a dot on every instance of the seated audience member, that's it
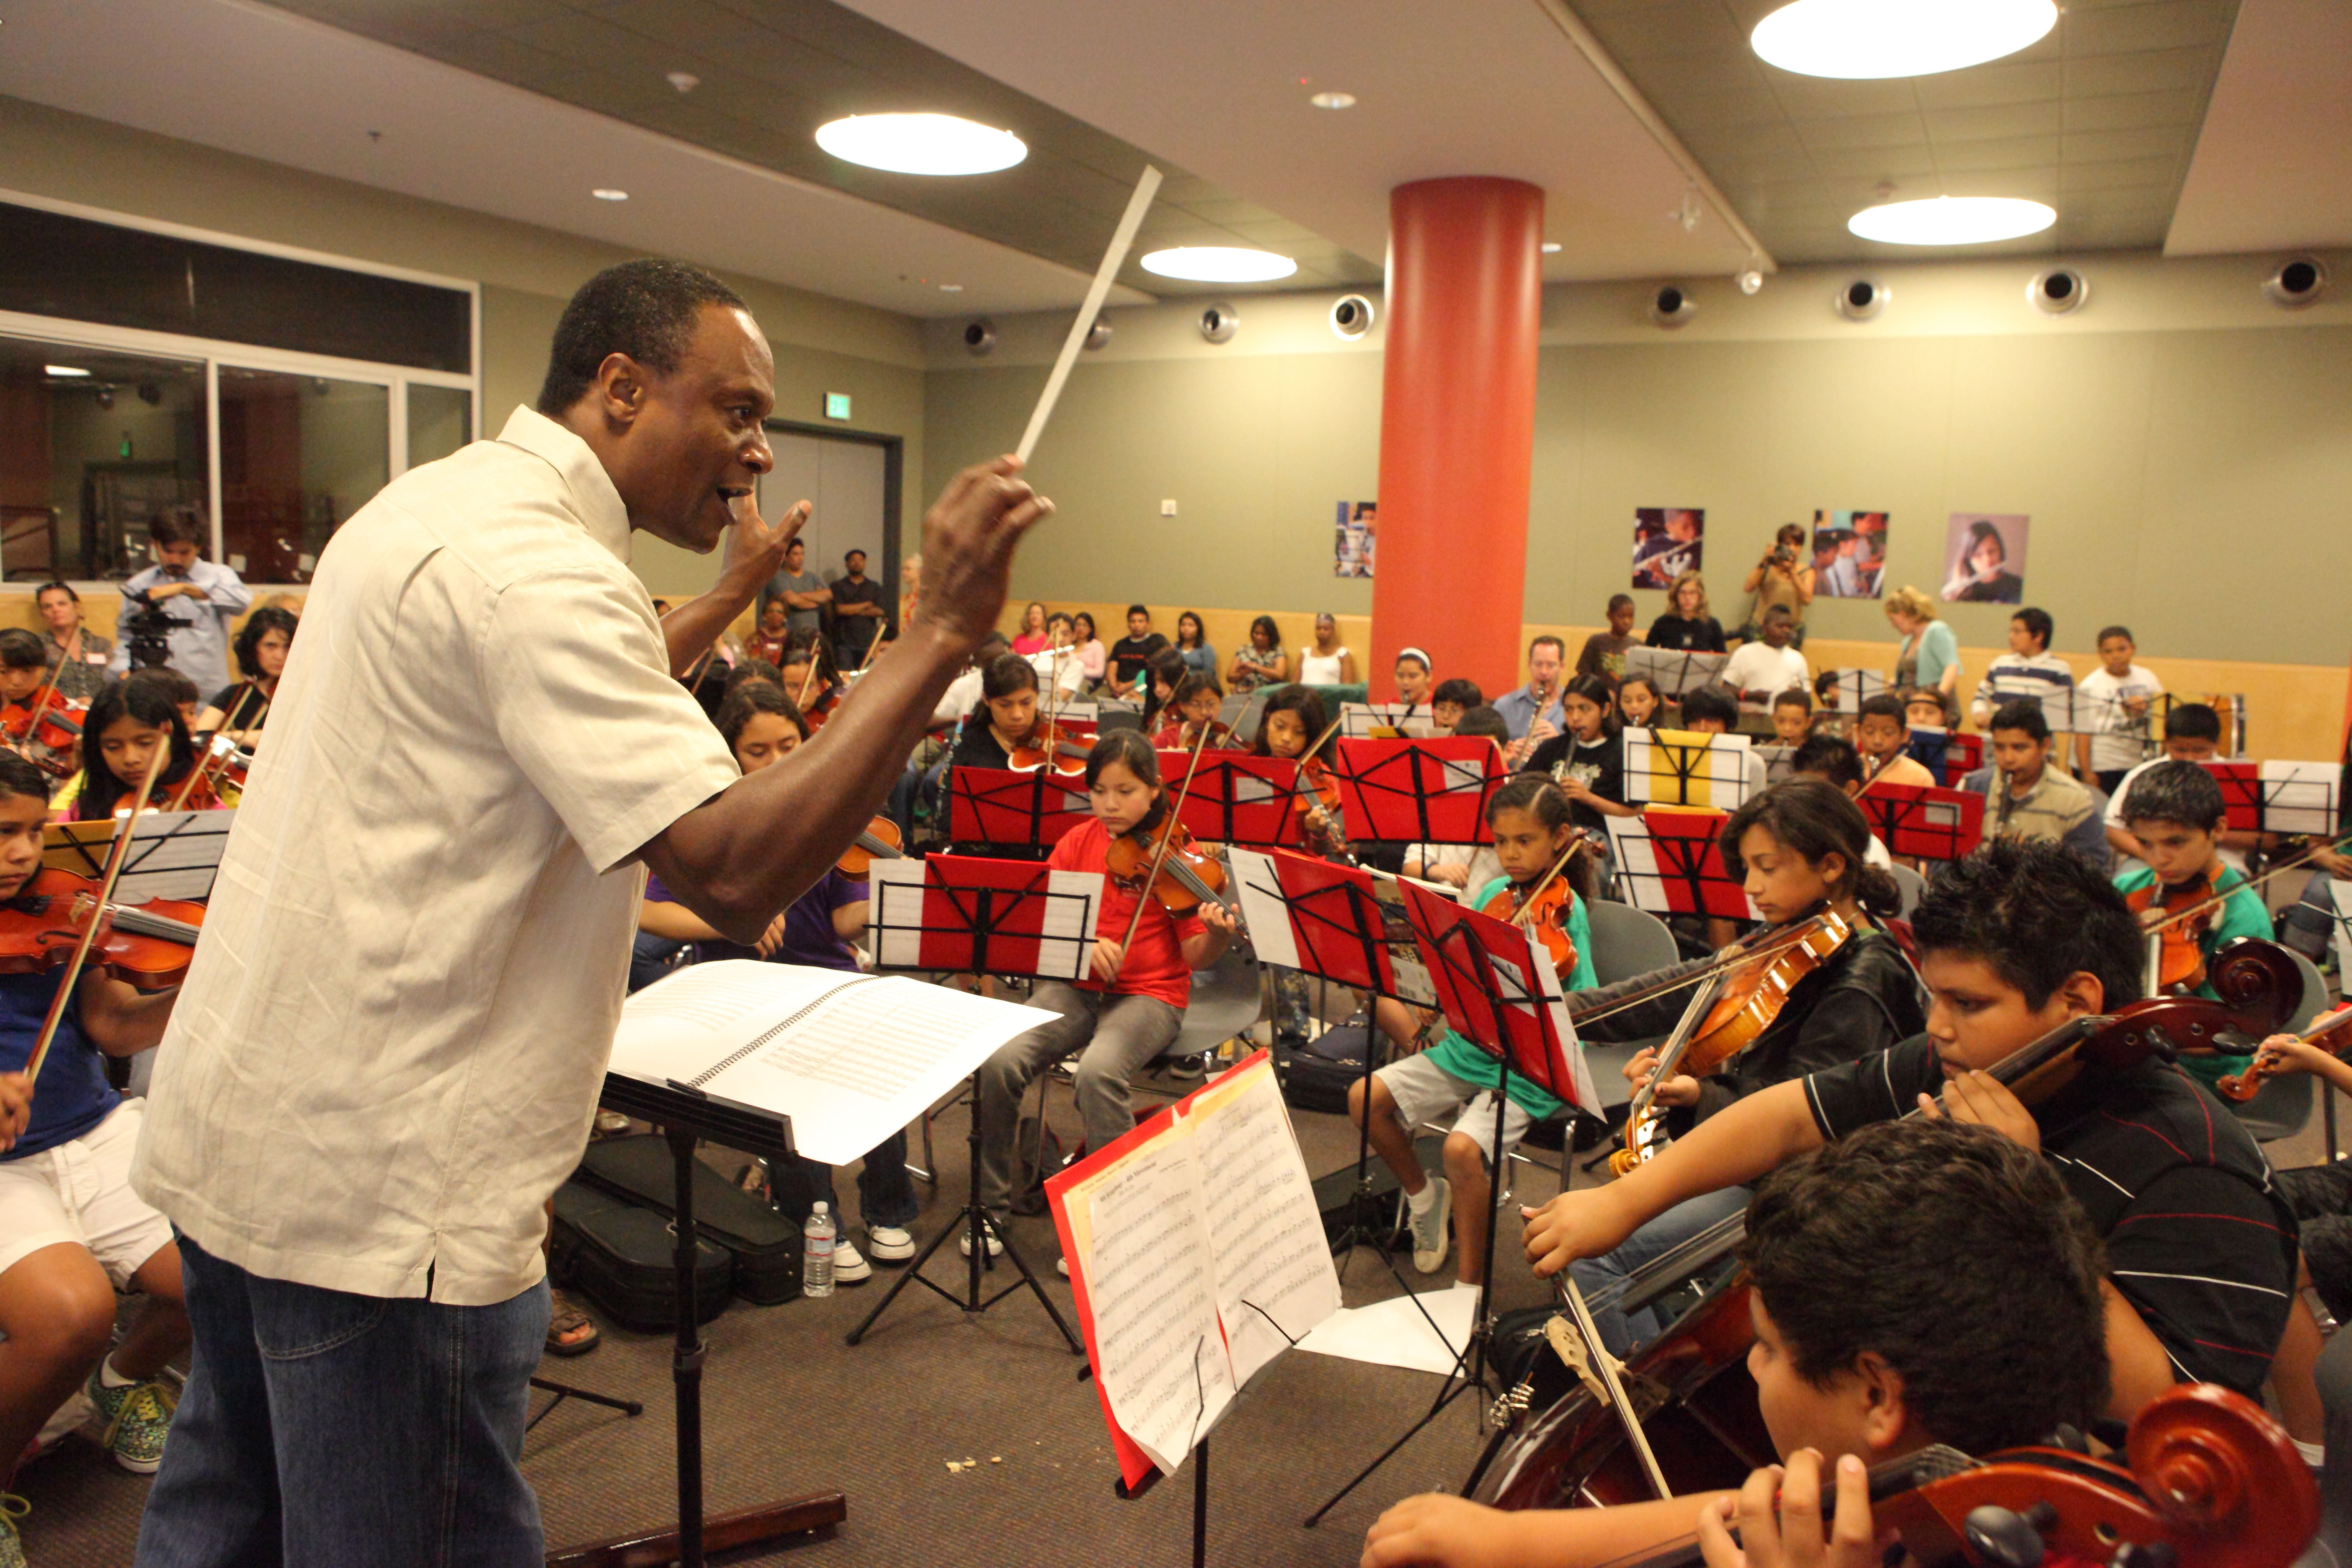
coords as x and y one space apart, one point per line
1326 661
72 1230
1413 679
1687 628
1761 670
1192 642
1799 847
1451 700
2192 733
1129 1008
1532 829
1130 656
1883 736
1261 660
2025 797
1888 1318
1032 637
78 655
2118 693
1092 658
2016 940
1792 718
2028 670
261 647
1604 652
763 726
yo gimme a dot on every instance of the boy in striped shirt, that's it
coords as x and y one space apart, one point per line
2029 669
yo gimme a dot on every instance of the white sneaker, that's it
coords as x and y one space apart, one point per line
1062 1266
1430 1238
889 1243
963 1244
848 1268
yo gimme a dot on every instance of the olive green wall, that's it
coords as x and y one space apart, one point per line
525 273
2183 446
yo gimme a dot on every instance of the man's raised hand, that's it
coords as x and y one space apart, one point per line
968 537
755 547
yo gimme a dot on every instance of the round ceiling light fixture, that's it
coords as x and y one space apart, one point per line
1333 100
1549 248
1859 38
1952 220
921 144
610 194
1219 264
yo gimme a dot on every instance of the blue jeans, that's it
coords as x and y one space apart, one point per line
885 1192
1621 1331
321 1430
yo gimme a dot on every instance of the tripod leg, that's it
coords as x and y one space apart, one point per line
1201 1504
907 1276
1030 1280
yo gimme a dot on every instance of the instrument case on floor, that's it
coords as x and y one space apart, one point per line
1317 1075
764 1244
622 1258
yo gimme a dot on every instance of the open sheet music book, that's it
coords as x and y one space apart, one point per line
850 1057
1196 1257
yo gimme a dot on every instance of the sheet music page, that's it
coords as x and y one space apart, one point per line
1274 1272
1150 1273
867 1060
686 1023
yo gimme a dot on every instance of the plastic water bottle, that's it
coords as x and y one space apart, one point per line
817 1251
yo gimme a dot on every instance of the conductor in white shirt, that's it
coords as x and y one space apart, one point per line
389 1048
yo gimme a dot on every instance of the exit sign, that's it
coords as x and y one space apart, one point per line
836 406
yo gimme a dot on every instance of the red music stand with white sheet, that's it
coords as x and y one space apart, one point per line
965 915
1923 822
1236 798
2279 796
1496 987
1419 792
1024 807
1669 863
1340 924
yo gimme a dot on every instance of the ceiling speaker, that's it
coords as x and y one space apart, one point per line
1099 333
2296 283
2058 291
979 337
1862 299
1219 322
1352 317
1670 307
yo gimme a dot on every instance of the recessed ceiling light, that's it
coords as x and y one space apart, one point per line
1219 264
1551 248
921 144
1856 38
1952 220
684 81
951 287
64 370
1333 100
608 194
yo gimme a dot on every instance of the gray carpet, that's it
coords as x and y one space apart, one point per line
790 1408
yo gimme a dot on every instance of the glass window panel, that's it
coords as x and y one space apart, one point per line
86 461
440 420
299 454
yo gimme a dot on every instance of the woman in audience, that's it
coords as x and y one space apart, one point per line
1033 636
262 645
1329 662
1091 655
1929 656
1192 642
78 656
1686 626
1260 661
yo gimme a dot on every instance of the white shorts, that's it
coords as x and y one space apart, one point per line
79 1192
1424 1092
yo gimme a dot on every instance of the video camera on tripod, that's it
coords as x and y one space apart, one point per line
147 631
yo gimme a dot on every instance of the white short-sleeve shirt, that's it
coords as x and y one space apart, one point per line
388 1051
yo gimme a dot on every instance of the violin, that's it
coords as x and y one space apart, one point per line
2242 1086
1745 1000
1186 878
47 731
1544 909
1050 743
148 945
878 840
2177 920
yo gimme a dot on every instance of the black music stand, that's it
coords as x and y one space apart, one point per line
685 1115
1480 1001
1674 671
993 921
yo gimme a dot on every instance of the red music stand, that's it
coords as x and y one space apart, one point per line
1340 924
1419 792
1013 808
1669 861
2277 796
1923 822
1950 754
1236 798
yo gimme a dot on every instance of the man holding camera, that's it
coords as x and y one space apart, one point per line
1782 580
200 597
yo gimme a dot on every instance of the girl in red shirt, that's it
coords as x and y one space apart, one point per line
1129 1006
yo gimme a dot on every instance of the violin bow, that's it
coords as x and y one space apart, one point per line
1308 756
1167 842
114 860
1604 1365
1528 904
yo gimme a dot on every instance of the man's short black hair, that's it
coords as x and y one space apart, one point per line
1795 696
2176 792
1536 642
1908 1241
21 650
644 309
1827 756
1139 610
2037 623
1706 702
1884 705
2034 912
1459 690
177 525
2193 722
849 555
2023 714
1481 720
2123 632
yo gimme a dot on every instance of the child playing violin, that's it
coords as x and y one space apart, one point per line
1800 848
1132 1004
24 685
2175 812
1005 720
1193 709
261 646
1294 720
124 725
1532 830
1916 1283
72 1231
2016 941
763 726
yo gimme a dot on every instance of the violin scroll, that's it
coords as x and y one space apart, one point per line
2221 1471
2258 982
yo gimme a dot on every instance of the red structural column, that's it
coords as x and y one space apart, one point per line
1457 427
